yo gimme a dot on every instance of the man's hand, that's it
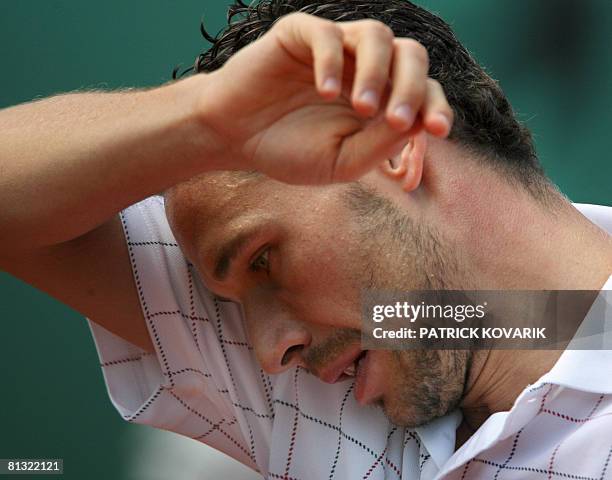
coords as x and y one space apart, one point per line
314 101
311 102
302 104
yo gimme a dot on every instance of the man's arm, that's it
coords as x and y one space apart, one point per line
91 274
68 164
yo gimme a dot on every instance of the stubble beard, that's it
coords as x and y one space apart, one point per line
404 254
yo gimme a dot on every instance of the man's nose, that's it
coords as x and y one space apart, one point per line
283 351
278 337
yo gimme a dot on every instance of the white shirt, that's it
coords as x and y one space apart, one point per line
204 382
561 426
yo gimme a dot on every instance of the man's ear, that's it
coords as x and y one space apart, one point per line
407 167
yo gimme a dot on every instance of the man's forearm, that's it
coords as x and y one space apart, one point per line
69 163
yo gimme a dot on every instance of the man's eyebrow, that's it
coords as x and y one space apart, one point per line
227 254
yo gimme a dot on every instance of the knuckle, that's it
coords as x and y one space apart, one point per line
371 73
447 109
296 15
331 59
374 80
283 21
330 29
435 88
437 92
434 83
367 23
379 29
416 49
386 32
291 18
412 92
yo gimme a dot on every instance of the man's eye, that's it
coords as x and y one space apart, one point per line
261 263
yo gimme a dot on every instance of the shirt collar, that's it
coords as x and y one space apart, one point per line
438 436
588 370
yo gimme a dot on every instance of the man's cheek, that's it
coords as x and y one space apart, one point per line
331 308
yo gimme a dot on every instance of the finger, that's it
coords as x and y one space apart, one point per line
436 112
409 83
318 42
366 149
328 57
372 45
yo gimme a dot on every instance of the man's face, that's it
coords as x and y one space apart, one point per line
297 259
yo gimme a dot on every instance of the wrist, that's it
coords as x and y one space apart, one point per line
195 99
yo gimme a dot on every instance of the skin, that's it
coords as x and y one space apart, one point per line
308 254
71 162
306 78
299 277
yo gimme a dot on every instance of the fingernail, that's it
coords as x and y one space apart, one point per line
331 84
404 113
369 97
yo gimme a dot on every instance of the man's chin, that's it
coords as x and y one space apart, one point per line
404 416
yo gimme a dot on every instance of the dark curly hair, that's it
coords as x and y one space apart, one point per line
484 120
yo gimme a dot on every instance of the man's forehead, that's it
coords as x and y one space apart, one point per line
207 210
210 201
219 185
211 190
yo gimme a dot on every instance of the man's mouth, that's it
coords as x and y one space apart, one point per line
353 368
368 379
356 364
341 367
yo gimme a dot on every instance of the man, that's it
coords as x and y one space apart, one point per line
282 278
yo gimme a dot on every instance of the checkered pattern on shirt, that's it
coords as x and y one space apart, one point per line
552 432
560 427
204 381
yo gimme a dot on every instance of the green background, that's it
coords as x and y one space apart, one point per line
551 57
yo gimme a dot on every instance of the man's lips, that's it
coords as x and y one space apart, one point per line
369 379
367 375
332 372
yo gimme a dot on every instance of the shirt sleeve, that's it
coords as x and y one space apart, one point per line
194 384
